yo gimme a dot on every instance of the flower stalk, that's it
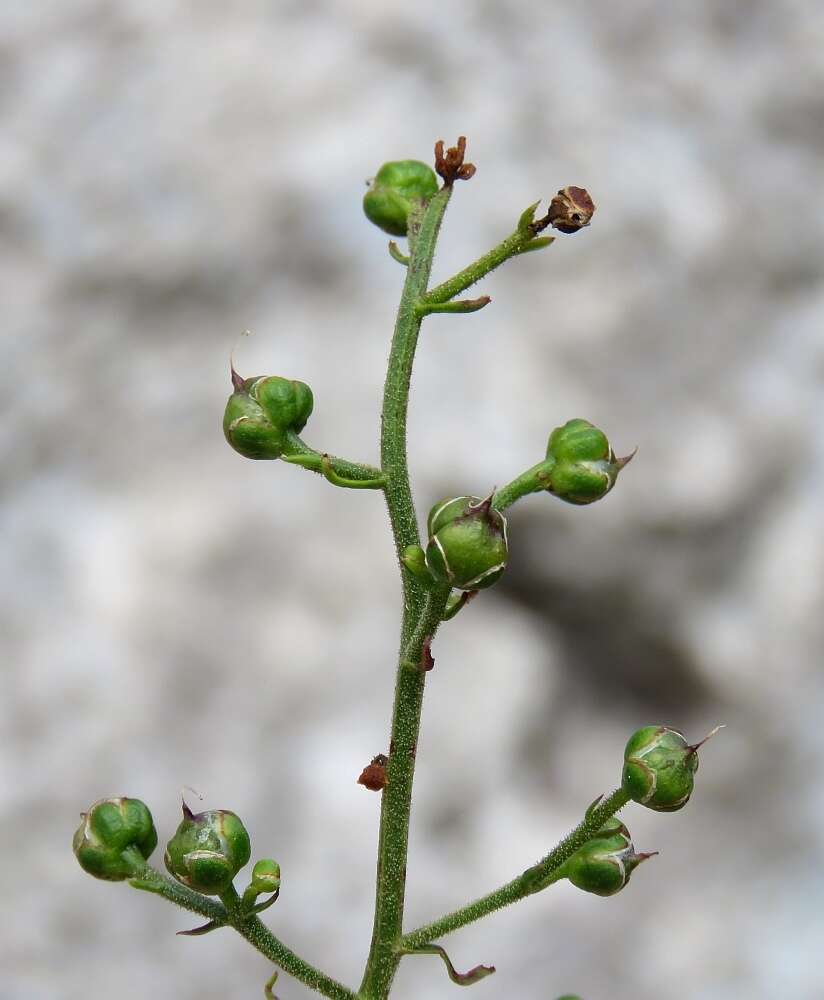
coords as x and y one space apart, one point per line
465 551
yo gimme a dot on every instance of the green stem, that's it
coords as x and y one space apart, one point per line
150 880
534 480
260 937
423 612
231 912
524 884
299 453
521 241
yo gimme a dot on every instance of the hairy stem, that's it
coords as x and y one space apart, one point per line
521 241
423 612
230 913
525 883
259 935
299 453
150 880
528 482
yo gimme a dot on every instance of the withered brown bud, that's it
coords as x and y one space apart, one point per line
373 776
450 165
570 210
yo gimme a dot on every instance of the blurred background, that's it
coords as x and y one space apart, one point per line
175 172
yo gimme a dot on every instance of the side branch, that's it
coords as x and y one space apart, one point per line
525 884
248 926
521 241
338 471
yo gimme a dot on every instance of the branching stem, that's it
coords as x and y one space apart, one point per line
231 913
338 471
521 241
525 883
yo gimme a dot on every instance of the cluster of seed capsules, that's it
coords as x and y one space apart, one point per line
117 836
467 535
467 544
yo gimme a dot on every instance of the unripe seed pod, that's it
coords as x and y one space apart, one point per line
109 828
208 850
604 864
585 467
395 187
467 543
261 410
659 768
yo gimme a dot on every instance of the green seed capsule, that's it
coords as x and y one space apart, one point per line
604 864
261 410
395 187
659 768
110 828
585 467
208 850
467 543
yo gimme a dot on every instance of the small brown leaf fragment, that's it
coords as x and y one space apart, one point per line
373 776
427 659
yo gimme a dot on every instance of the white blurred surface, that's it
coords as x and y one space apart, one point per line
174 172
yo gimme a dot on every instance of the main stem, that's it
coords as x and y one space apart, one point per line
422 613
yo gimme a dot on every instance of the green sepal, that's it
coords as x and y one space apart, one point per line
208 850
585 466
424 308
467 545
200 931
457 602
527 217
414 560
396 187
537 244
114 836
659 768
396 254
269 986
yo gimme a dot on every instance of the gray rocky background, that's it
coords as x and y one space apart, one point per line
172 172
